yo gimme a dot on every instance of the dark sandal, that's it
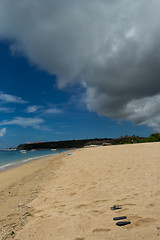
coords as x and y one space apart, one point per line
116 207
123 223
119 218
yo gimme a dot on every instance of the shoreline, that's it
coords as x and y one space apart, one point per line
19 185
15 164
18 163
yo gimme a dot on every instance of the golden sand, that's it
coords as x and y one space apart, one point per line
72 196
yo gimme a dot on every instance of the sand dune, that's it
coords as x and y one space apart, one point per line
76 198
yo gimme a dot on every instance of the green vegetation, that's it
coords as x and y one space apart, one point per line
127 140
155 137
136 139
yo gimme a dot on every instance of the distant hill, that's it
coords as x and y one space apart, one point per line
64 144
68 144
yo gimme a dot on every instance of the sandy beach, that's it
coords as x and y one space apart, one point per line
70 196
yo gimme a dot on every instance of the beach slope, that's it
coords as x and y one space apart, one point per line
75 202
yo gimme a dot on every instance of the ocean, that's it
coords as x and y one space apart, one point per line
12 158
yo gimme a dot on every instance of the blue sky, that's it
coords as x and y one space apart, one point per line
78 69
33 109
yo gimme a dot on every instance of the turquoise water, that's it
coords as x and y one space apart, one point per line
10 158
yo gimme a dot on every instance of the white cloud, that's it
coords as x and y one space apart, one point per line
32 109
146 108
24 122
43 110
52 111
7 110
3 132
7 98
111 47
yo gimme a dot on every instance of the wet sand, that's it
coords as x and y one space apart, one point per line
19 186
72 196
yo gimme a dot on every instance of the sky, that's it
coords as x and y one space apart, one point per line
78 69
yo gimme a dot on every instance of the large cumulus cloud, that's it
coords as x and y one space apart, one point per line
111 47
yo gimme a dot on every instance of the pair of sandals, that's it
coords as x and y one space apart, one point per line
120 223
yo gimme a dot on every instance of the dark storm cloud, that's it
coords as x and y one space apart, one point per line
111 47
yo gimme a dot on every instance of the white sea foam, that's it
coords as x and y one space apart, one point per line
16 163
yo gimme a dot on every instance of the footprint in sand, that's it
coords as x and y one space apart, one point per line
94 183
98 212
100 201
151 205
123 199
130 204
157 193
60 188
138 221
96 202
72 193
82 186
79 238
97 230
82 205
90 188
123 210
144 221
